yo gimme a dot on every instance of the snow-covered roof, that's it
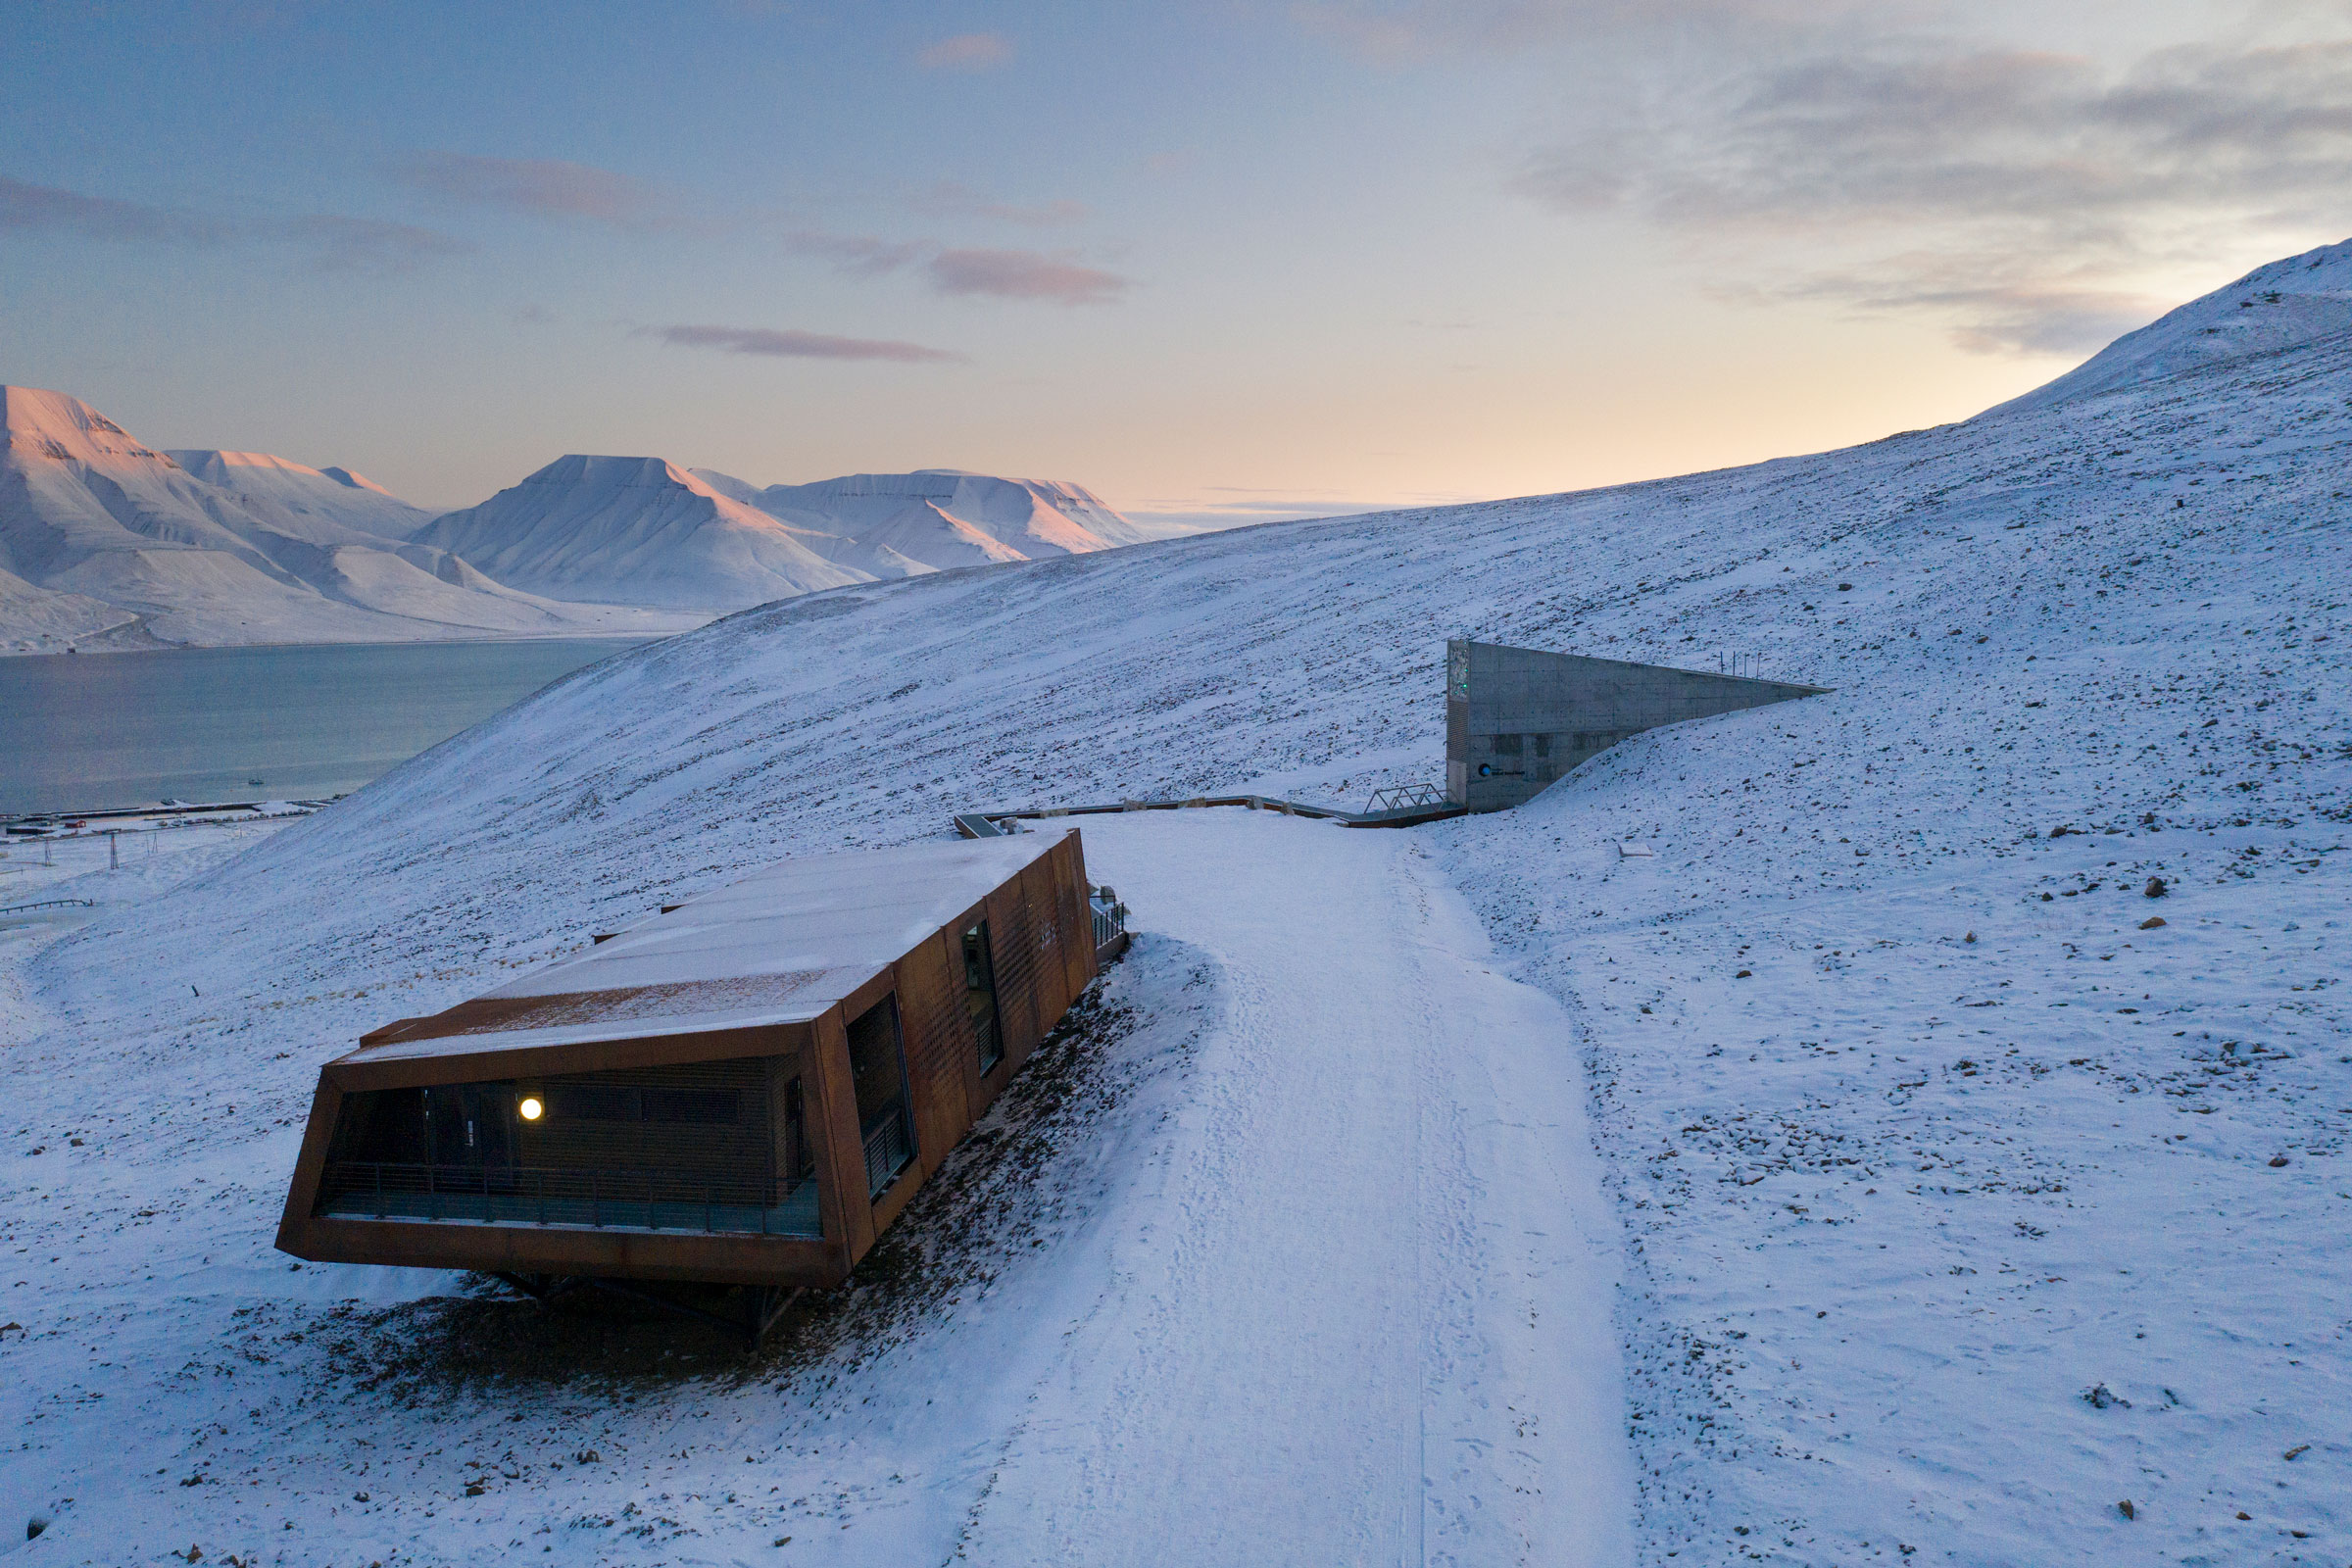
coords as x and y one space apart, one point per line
782 946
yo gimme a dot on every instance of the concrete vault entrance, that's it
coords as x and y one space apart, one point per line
1517 719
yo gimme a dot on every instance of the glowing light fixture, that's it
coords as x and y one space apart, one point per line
531 1107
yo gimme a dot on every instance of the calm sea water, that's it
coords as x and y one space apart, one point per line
85 731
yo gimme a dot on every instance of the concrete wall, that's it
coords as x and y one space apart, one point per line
1516 719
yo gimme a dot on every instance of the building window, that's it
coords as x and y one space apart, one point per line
878 1072
980 996
800 1160
692 1146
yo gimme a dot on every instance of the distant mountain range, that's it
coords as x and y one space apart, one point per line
903 523
642 531
634 531
105 543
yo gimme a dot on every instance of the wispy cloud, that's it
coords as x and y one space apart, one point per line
29 207
2019 195
337 243
1398 31
1023 275
789 343
861 255
949 199
1014 275
966 51
1906 137
1996 305
562 190
544 187
365 245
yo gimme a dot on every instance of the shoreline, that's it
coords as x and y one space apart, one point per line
632 637
48 822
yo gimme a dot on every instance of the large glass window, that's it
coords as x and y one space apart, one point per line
980 995
693 1147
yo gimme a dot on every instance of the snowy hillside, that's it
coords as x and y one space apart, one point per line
105 543
33 617
1948 1190
2275 306
637 531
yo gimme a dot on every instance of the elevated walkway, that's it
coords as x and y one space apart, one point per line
1425 805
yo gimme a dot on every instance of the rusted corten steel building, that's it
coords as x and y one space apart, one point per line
746 1090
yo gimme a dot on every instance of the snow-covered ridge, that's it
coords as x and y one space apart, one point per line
356 481
48 426
2279 305
900 524
277 485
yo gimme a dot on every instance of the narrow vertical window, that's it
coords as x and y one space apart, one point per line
980 996
799 1164
878 1074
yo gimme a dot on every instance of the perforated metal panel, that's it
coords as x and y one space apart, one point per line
1014 932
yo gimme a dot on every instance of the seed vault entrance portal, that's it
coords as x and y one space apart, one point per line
1516 718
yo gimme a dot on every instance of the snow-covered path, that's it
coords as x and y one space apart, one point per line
1366 1318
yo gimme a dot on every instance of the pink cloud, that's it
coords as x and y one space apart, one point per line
969 51
791 343
548 187
1023 275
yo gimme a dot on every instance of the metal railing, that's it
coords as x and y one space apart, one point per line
970 824
1110 916
49 903
596 1200
1404 797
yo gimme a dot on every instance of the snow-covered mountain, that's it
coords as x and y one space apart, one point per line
105 542
281 492
642 531
638 531
2279 305
902 525
1925 1232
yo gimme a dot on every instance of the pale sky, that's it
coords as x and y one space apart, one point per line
1212 259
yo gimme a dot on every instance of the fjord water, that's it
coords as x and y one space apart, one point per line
84 732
